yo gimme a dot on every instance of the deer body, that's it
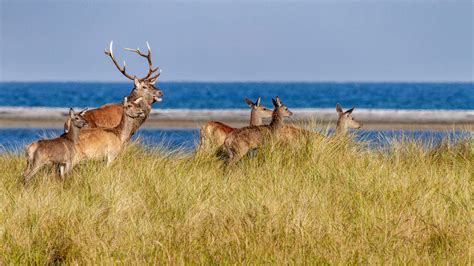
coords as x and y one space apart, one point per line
240 141
97 143
60 150
213 133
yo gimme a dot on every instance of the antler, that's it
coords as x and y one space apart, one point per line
110 53
150 64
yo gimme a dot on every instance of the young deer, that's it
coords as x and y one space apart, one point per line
345 121
109 115
60 150
213 133
240 141
97 143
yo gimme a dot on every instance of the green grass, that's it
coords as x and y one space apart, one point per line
317 201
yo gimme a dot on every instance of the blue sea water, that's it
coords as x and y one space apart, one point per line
15 139
215 95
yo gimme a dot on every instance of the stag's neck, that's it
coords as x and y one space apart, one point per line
73 133
255 119
277 121
125 127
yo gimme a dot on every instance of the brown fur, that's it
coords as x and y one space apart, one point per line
60 150
240 141
213 133
97 143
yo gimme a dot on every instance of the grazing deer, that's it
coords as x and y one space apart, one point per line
59 151
240 141
345 121
97 143
213 133
109 115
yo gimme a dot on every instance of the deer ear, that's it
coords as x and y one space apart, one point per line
137 82
66 125
277 102
71 112
125 100
139 99
258 102
153 82
249 102
339 108
349 111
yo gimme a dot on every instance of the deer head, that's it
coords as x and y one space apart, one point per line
280 108
346 120
258 111
75 119
133 108
143 87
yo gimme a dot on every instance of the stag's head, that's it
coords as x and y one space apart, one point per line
346 120
143 87
133 108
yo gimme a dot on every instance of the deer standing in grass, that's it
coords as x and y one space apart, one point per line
97 143
240 141
59 151
213 133
109 115
345 121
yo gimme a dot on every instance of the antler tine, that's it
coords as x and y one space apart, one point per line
110 53
148 58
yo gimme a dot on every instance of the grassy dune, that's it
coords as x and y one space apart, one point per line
318 201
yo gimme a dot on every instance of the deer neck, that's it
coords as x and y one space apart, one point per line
277 121
341 128
73 133
125 127
255 118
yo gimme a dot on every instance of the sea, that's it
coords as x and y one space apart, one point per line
229 95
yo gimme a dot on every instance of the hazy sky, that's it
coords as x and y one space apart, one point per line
240 40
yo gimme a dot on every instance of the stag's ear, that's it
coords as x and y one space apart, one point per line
249 102
125 100
349 111
339 108
137 83
138 100
153 82
258 102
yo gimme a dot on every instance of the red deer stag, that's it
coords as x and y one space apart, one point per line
240 141
213 133
109 115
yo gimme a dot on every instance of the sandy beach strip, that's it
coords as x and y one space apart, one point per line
194 118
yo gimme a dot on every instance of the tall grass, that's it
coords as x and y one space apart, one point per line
318 200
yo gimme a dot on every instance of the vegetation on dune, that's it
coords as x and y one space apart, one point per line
321 200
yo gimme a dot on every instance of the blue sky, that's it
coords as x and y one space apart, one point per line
240 40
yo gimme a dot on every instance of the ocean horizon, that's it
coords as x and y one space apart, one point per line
230 95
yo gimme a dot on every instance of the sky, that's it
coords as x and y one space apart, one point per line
239 40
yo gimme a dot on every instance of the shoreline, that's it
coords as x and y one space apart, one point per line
52 117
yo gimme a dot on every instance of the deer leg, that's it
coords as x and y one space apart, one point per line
111 158
33 168
61 171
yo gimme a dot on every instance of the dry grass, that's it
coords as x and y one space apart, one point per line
318 201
